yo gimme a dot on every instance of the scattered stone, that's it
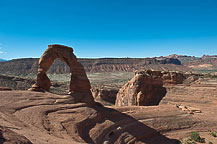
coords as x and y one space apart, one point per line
119 128
190 110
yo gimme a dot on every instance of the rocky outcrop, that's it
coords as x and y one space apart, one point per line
146 88
79 81
104 96
172 77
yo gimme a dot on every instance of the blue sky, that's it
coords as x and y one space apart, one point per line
108 28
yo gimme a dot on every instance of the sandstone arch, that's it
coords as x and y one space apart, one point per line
79 81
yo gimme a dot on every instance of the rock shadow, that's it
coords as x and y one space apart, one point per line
2 139
124 127
158 96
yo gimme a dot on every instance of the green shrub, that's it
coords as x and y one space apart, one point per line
213 76
196 137
213 133
210 143
187 141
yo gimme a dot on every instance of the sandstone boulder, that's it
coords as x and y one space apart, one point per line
146 88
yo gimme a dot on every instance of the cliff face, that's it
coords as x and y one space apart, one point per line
19 66
30 65
173 62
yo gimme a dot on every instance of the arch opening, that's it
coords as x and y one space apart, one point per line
78 82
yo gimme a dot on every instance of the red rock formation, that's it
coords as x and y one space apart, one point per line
105 96
172 77
79 81
146 88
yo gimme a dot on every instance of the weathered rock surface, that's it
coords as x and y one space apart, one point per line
172 78
104 96
9 137
48 118
146 88
198 99
79 81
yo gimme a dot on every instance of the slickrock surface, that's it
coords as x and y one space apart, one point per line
9 137
46 118
146 88
198 99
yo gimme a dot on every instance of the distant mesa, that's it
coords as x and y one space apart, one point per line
176 56
30 65
169 61
27 66
209 56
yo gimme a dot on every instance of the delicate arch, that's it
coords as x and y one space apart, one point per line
79 81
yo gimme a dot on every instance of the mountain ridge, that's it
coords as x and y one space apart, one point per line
175 62
2 60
